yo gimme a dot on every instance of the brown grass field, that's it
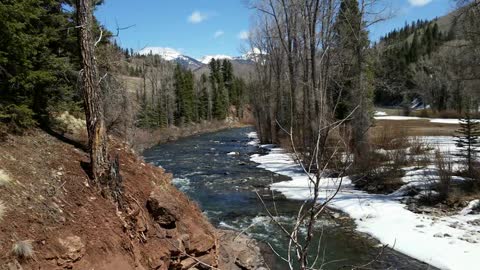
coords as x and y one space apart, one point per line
415 127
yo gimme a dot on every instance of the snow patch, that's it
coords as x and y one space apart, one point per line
444 242
475 204
398 117
206 59
168 54
451 121
379 113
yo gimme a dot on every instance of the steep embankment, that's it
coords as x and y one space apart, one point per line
48 205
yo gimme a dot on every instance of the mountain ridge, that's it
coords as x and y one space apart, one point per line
170 54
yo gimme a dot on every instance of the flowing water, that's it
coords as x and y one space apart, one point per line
215 170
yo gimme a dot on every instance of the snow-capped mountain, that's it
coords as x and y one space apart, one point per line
170 54
207 58
191 63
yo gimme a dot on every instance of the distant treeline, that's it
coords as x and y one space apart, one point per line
172 95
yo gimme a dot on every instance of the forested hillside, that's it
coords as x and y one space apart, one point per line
431 63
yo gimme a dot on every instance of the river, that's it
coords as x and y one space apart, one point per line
215 170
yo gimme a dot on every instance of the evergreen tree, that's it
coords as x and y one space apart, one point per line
204 100
467 140
227 75
37 61
351 40
184 89
219 94
414 49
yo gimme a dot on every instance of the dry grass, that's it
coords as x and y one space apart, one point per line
415 127
4 178
418 147
68 123
23 249
3 209
391 136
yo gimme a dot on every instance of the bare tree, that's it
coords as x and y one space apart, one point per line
299 49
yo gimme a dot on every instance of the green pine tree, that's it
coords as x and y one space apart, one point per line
37 61
467 140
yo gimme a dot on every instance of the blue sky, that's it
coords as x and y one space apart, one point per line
205 27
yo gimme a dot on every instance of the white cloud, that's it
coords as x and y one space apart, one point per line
218 34
197 17
419 3
243 35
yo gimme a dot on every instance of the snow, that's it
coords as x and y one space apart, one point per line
384 116
168 54
254 54
445 121
450 242
470 207
379 113
206 59
398 117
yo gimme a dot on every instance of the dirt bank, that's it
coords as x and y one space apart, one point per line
48 205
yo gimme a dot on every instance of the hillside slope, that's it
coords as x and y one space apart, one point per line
50 206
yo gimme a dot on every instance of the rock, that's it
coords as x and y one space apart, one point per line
185 239
15 265
475 222
163 216
239 252
438 235
75 249
188 263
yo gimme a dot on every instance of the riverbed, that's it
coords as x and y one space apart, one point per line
215 170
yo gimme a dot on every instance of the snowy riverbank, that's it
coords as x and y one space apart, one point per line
451 242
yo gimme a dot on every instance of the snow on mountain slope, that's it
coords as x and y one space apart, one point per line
168 54
207 58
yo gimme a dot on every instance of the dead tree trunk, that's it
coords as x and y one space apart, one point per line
94 112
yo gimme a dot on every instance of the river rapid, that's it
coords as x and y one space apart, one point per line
215 170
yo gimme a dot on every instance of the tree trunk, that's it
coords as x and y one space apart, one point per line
94 111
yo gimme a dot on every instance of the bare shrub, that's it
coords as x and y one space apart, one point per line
391 137
23 249
418 146
444 167
421 161
423 113
4 178
381 172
